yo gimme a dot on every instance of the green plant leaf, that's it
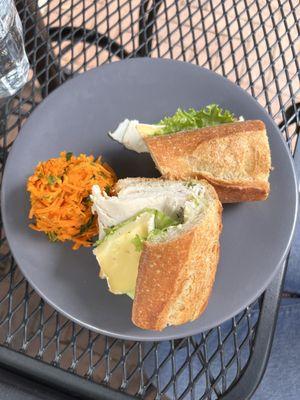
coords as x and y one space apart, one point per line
51 179
138 242
162 221
69 155
52 236
107 189
86 226
209 115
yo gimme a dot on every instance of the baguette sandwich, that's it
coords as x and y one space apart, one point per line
233 155
159 244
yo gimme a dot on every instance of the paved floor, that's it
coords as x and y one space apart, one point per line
191 25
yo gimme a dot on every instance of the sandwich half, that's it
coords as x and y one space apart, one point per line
233 155
159 243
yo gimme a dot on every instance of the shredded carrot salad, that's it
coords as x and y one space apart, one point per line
59 194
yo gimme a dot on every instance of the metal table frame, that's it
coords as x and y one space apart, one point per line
49 73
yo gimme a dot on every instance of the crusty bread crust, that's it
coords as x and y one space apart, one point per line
235 158
175 277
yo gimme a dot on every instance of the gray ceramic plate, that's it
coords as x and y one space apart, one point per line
77 117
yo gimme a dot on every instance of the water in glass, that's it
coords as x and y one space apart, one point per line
14 64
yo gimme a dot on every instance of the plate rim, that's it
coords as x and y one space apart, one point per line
153 335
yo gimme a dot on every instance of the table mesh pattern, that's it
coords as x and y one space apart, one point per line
253 43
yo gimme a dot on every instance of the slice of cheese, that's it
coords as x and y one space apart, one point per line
147 130
118 256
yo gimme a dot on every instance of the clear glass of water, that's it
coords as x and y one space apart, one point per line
14 64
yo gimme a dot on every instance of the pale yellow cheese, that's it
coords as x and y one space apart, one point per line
147 130
118 256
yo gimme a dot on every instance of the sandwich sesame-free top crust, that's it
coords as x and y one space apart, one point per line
176 275
234 157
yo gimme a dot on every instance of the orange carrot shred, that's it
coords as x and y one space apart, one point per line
59 195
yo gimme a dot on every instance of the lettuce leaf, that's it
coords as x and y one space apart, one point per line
209 115
138 242
162 221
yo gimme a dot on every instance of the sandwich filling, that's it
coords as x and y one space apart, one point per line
144 212
131 133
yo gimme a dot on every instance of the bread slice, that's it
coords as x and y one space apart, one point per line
176 273
235 158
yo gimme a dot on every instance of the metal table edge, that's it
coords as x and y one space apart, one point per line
75 385
254 372
56 378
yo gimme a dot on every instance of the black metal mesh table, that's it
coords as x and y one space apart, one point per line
253 43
